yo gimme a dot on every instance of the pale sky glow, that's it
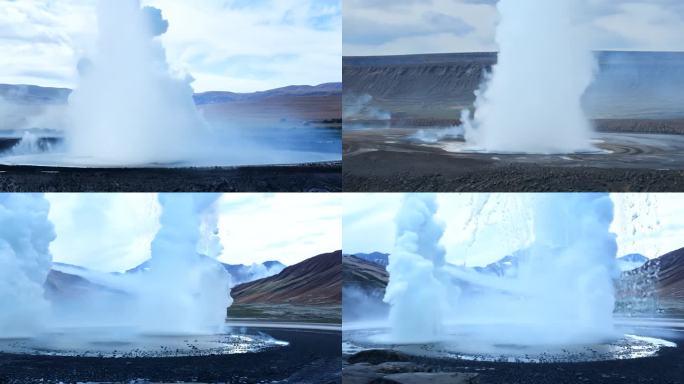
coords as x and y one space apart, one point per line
112 232
650 224
391 27
231 45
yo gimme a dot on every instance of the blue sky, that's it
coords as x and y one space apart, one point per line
650 224
235 45
387 27
112 232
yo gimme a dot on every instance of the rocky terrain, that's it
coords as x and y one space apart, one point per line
385 366
363 288
320 104
298 102
42 111
318 177
629 85
308 292
315 281
655 288
633 93
312 357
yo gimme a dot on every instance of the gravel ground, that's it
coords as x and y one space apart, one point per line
313 356
385 161
392 172
666 368
320 177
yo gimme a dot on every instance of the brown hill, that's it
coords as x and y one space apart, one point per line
277 108
662 277
316 281
363 274
363 290
657 286
670 273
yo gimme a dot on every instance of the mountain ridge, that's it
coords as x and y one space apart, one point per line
35 94
315 281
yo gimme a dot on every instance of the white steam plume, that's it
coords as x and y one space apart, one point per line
185 292
568 276
128 108
531 102
416 292
561 292
25 261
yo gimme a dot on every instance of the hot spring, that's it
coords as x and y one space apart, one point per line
176 307
131 109
556 305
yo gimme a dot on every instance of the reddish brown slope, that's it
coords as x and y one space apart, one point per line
671 274
303 108
316 281
662 277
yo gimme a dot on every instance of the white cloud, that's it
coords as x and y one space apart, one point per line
385 27
106 232
649 224
285 227
226 45
477 234
113 232
375 28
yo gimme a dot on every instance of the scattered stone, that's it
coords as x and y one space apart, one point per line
378 356
432 378
399 367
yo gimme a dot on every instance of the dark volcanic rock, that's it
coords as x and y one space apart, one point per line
388 367
389 171
320 177
313 357
666 368
378 356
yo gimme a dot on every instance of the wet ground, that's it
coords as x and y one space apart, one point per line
667 366
393 160
315 177
312 356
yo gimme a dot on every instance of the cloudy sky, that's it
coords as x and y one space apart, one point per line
391 27
112 232
648 224
232 45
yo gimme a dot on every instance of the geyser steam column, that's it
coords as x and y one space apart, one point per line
531 102
25 261
416 292
128 108
568 275
185 292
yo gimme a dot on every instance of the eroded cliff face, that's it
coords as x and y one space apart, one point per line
628 85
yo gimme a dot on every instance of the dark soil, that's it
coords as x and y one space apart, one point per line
389 171
311 357
319 177
666 368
